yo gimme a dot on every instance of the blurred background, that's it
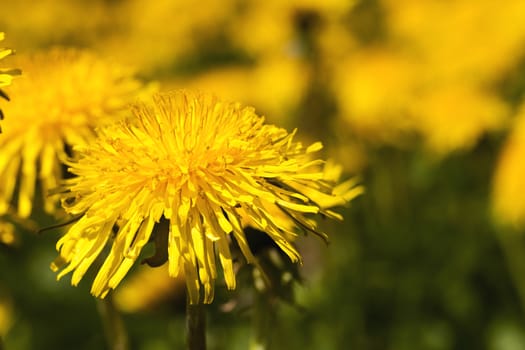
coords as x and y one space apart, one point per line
423 100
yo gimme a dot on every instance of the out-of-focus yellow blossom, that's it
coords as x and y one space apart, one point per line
157 35
37 24
133 297
508 201
277 85
454 70
254 27
422 77
280 85
201 164
382 99
61 97
228 82
455 117
457 40
374 89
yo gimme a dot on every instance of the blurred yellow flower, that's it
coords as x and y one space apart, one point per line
203 165
61 97
508 185
155 37
277 85
455 117
254 30
418 76
373 89
253 27
228 82
458 39
37 24
454 72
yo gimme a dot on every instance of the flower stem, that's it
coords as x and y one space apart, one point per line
116 335
195 326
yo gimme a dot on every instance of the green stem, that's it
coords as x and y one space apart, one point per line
116 335
195 326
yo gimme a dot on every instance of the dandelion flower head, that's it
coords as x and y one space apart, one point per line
204 166
62 95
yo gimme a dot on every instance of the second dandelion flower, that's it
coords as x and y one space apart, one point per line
58 101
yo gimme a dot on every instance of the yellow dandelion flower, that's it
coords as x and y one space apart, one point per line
61 97
202 165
